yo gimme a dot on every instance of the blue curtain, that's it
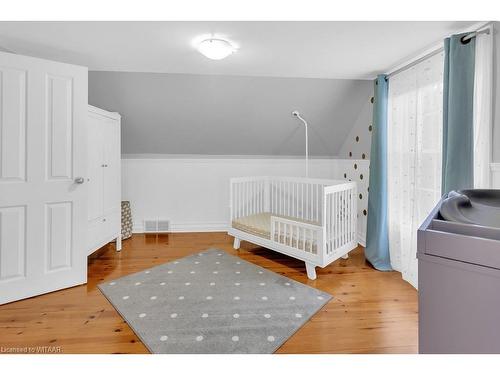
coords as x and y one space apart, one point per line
458 92
377 234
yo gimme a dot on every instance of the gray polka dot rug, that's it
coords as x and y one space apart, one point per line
213 302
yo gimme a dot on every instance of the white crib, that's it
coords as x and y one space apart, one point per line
310 219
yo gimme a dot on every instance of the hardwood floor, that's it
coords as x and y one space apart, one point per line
371 312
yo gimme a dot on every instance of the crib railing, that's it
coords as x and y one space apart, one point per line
299 198
314 219
340 218
248 196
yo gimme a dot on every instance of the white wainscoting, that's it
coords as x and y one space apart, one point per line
193 192
495 175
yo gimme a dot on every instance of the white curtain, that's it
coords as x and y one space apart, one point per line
482 117
414 157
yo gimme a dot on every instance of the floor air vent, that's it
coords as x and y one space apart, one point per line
156 226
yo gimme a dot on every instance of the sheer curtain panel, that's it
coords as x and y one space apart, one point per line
482 113
414 157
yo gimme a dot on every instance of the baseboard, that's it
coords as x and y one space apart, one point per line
361 239
189 227
211 227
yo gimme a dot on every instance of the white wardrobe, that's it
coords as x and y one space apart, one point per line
103 178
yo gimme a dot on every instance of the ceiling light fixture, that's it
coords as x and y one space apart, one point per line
216 49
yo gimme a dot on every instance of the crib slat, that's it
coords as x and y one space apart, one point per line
343 216
337 220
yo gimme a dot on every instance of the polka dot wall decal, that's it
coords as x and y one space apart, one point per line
192 272
163 338
125 297
372 99
298 315
236 298
345 175
112 283
204 315
199 338
264 298
370 128
360 196
350 154
181 297
235 338
212 284
267 316
215 272
153 298
363 156
360 176
270 338
209 298
237 272
292 298
187 284
163 283
142 315
173 316
357 138
364 212
236 316
355 166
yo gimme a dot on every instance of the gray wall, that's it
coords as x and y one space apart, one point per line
230 115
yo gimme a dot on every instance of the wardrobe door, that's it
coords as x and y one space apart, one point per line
96 168
112 173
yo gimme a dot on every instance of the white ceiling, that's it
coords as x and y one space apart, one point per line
281 49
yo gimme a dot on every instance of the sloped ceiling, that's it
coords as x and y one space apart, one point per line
175 101
229 115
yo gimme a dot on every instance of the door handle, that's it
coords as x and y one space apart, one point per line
79 180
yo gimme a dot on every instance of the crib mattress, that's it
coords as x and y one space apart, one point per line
260 225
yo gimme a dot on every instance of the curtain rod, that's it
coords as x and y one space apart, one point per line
415 62
475 33
465 38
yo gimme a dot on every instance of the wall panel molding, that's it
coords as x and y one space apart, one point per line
193 193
